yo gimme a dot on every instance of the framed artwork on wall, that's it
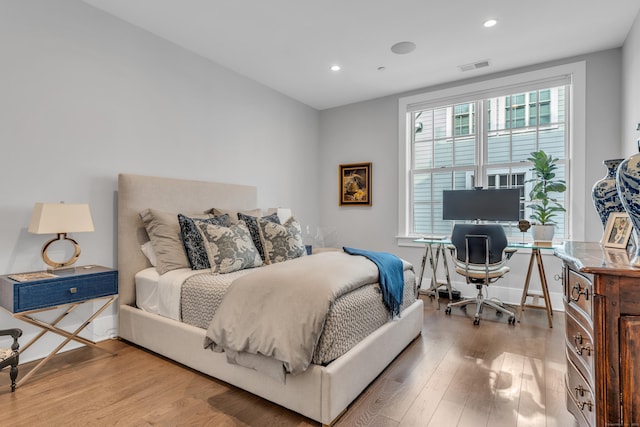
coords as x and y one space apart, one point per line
355 184
618 230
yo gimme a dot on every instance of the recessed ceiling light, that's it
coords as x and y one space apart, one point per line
489 23
402 48
335 68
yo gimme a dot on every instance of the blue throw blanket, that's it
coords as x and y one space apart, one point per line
391 276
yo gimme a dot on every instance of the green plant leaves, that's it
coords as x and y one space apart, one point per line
544 207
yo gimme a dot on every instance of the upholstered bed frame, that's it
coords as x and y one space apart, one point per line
321 393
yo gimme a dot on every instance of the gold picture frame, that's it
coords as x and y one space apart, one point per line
355 184
617 231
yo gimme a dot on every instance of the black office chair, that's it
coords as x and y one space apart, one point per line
479 252
10 356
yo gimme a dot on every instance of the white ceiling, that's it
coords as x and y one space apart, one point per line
289 45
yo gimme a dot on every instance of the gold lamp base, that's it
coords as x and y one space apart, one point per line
57 266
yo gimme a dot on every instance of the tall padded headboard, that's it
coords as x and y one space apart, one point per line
137 193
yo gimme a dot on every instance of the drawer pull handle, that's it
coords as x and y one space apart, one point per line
73 290
576 291
580 391
577 338
580 349
588 404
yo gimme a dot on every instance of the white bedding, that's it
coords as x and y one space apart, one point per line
160 294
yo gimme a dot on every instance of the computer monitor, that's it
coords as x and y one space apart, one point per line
485 205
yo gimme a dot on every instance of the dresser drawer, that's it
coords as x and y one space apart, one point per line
580 347
580 397
579 292
88 284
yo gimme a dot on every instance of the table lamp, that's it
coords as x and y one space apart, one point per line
60 219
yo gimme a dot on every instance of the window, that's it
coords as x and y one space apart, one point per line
481 138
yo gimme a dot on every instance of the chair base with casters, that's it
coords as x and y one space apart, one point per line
479 252
10 356
480 302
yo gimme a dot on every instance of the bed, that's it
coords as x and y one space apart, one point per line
321 392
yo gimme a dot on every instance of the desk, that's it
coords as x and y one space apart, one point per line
433 248
536 256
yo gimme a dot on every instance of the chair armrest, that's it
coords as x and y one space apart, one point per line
509 252
451 248
15 333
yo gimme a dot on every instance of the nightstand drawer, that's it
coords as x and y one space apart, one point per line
83 284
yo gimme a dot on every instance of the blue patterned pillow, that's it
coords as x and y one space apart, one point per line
192 239
252 225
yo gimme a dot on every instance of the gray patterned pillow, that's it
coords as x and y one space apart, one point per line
281 242
252 225
192 239
229 248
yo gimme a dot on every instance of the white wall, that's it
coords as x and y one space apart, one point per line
85 96
368 131
631 92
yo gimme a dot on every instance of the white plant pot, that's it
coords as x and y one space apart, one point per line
543 232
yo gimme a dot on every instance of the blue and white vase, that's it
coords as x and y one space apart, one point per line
628 179
605 192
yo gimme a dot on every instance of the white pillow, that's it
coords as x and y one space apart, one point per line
283 214
147 250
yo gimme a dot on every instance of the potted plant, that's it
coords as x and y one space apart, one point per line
544 207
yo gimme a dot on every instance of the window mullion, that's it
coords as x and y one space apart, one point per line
481 142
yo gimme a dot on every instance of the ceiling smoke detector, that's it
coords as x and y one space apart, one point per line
474 65
402 48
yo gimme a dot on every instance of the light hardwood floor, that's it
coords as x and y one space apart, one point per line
455 374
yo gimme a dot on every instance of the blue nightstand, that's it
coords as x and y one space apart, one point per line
26 294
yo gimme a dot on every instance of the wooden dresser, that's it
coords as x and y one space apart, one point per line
602 303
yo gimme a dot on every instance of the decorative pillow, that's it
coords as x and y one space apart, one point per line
192 239
233 213
147 250
281 242
283 213
252 225
164 232
229 248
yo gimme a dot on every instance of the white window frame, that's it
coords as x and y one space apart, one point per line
575 151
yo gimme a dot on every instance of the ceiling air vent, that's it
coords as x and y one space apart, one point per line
474 65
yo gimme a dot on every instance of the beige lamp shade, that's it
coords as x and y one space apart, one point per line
56 218
60 219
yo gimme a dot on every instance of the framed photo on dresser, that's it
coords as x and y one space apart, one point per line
617 231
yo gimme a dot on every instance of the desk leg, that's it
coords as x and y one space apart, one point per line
433 260
545 288
525 291
424 264
69 336
446 272
537 257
